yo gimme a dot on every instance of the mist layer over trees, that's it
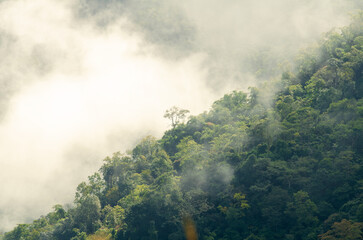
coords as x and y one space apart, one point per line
81 79
288 166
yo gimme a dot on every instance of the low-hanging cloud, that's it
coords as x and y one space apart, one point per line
75 94
248 40
82 79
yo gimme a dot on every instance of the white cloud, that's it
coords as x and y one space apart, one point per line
101 93
72 92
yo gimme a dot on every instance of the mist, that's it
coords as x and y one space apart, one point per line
83 79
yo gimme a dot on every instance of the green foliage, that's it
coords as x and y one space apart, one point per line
344 230
113 217
253 167
87 214
176 115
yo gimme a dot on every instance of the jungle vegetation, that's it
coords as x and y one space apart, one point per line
283 161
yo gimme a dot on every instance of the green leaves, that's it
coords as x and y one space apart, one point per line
87 214
191 155
176 115
344 230
258 166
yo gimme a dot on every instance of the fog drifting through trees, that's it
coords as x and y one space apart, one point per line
83 79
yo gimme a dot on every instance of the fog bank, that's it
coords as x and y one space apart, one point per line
83 79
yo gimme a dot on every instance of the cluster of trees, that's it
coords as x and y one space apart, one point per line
249 169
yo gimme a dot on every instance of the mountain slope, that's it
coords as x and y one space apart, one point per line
288 166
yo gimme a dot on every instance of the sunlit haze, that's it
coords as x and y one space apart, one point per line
78 83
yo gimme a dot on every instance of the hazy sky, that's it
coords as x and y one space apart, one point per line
82 79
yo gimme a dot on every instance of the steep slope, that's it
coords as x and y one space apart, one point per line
288 166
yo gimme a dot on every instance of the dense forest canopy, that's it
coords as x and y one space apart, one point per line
248 169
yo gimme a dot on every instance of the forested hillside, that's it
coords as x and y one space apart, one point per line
284 161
